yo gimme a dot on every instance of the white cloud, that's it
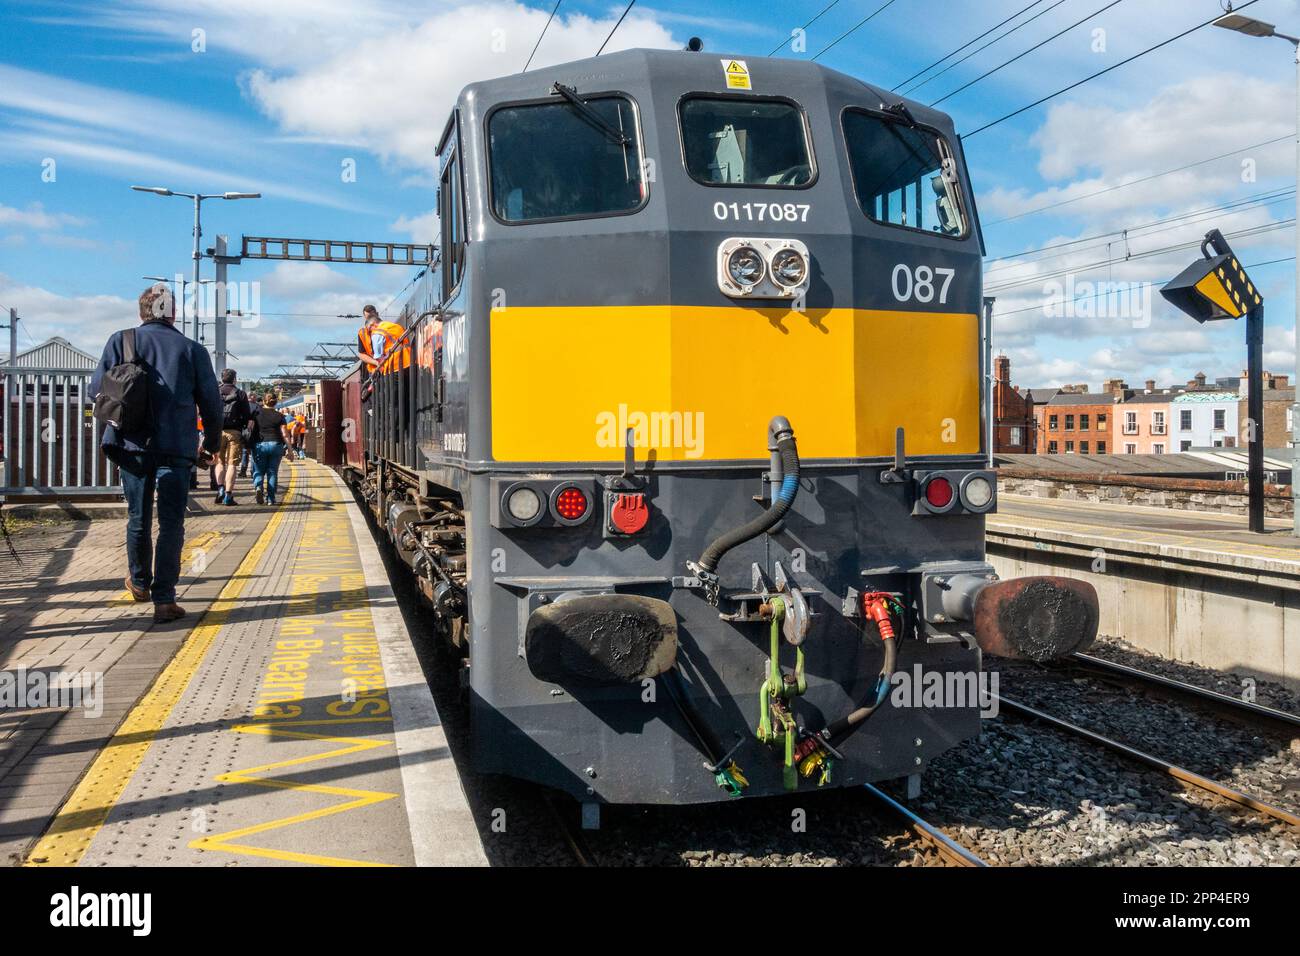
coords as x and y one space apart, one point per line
392 91
1104 146
297 279
35 217
423 228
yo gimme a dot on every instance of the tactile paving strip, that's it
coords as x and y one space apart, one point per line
273 754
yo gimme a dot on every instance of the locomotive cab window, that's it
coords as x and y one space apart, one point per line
903 175
565 160
451 217
740 141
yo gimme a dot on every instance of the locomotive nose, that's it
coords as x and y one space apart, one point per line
1035 618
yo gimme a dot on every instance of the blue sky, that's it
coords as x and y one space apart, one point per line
280 95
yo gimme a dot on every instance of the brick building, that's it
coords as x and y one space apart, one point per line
1075 423
1279 396
1014 425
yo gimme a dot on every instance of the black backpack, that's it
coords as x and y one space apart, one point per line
234 408
123 399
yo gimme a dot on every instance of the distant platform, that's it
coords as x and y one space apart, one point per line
1207 464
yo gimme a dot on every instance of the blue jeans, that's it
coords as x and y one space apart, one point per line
266 465
142 475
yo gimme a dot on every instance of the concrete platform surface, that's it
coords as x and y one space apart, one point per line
293 724
1197 537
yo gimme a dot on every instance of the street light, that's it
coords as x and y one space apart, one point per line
198 231
1258 28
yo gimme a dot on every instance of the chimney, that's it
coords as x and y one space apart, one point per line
1280 381
1151 384
1002 369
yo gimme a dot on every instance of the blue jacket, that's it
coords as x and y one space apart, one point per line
180 379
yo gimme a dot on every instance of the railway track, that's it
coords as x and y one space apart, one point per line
572 835
1133 754
1257 715
928 833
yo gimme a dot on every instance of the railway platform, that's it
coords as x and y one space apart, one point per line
1191 586
285 720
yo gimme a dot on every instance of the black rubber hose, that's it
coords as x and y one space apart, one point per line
783 434
837 730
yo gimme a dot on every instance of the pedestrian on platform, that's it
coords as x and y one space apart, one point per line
272 433
235 415
246 454
300 435
148 384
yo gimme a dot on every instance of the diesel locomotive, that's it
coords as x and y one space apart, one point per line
682 441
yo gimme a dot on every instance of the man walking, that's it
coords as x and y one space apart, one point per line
158 455
235 415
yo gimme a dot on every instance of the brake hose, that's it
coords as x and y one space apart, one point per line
783 435
876 608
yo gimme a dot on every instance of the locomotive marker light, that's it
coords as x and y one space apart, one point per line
763 268
523 505
1217 287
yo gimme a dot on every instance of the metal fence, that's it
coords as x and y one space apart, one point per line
49 439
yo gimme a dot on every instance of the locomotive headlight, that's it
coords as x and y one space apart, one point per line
524 505
763 267
789 268
745 266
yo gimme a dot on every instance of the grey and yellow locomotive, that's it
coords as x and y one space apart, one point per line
683 440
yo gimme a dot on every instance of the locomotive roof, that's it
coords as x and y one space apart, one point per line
669 74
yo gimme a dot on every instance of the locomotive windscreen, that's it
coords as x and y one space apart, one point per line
745 142
899 174
549 161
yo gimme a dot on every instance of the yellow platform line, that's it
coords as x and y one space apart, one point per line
361 798
84 813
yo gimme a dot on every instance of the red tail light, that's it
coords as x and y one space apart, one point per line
571 504
938 492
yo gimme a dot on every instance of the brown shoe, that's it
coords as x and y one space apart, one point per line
138 593
163 613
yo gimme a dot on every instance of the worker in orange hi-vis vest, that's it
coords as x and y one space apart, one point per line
299 435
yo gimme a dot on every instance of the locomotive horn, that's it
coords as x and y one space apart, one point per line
1032 618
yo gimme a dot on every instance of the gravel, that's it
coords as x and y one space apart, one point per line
1017 795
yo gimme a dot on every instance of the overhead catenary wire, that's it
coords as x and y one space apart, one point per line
1019 26
861 23
1039 45
824 11
969 42
545 27
1235 208
1104 292
1143 179
1087 79
1145 254
626 10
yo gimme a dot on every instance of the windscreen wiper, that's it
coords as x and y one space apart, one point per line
619 137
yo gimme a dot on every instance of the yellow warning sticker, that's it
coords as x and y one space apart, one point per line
737 74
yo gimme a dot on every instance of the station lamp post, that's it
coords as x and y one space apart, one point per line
1258 28
1217 287
198 230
